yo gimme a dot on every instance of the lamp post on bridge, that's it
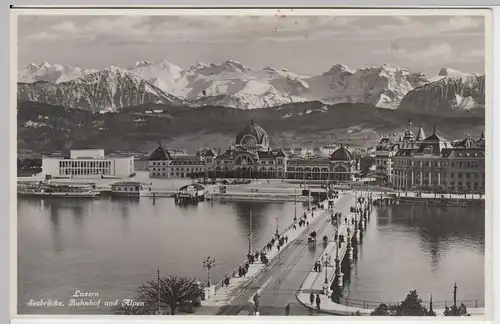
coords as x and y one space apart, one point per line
158 307
277 226
250 235
455 309
294 205
338 273
209 263
326 263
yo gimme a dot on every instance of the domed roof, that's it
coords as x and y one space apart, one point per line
341 154
253 130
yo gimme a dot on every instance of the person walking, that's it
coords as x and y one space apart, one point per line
286 239
318 302
287 309
311 298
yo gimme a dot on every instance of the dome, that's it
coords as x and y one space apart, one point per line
252 135
341 154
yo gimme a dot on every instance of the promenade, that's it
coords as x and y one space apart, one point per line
332 308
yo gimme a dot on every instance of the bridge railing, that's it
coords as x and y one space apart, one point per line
371 304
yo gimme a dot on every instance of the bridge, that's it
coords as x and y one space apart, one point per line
290 277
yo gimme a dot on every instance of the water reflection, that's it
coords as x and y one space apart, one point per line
419 247
259 215
55 222
438 227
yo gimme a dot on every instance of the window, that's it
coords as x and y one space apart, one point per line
460 175
452 164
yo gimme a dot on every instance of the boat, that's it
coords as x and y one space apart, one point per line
129 189
192 193
56 190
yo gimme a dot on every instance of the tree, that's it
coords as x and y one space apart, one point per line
172 291
384 310
411 306
456 311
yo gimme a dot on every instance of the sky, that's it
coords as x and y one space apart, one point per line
306 45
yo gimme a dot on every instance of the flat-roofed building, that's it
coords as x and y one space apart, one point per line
87 163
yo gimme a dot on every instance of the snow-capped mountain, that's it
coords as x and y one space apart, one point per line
448 72
382 86
233 84
163 74
107 89
448 95
51 73
247 88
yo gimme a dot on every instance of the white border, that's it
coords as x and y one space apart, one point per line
254 11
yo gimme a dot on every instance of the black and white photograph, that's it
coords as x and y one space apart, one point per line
252 162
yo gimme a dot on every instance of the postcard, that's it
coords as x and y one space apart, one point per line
252 162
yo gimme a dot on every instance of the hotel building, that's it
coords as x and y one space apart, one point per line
434 163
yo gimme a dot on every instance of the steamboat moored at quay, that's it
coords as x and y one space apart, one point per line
57 190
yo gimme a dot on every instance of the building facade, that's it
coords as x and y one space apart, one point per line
387 147
87 163
164 164
252 157
434 163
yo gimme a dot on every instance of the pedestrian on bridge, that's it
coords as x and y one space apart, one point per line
318 302
279 247
287 309
286 239
240 271
311 298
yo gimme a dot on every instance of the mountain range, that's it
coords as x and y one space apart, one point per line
231 84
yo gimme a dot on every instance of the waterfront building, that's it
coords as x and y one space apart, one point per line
164 164
87 163
129 189
434 163
387 147
252 157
